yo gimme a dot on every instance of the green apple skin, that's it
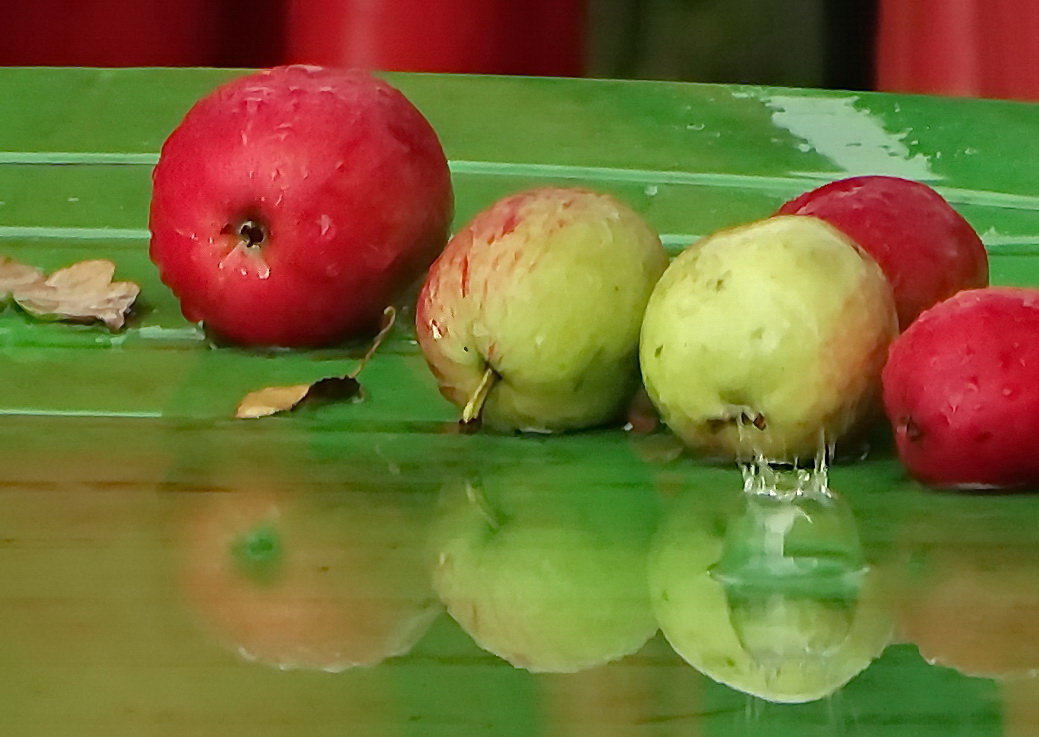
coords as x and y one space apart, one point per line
549 576
785 322
788 647
547 288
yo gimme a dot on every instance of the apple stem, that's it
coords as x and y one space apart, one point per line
474 406
389 316
479 500
252 234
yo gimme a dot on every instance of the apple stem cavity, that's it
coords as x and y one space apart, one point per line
252 234
738 415
474 406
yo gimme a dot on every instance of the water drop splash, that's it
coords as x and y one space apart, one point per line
792 565
787 481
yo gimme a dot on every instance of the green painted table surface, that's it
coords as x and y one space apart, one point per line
166 570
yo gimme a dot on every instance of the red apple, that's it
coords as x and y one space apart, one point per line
292 205
926 249
961 388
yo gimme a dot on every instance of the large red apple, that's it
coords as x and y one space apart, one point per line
292 205
927 250
961 388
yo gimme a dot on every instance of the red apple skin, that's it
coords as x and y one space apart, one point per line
961 389
927 250
345 176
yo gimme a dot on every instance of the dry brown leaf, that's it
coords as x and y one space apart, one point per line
274 399
270 400
15 277
83 292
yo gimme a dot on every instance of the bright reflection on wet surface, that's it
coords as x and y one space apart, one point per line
277 579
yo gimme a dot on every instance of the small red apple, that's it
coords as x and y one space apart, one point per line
927 250
292 205
961 389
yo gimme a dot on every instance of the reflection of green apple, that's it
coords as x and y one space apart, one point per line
767 593
545 571
767 338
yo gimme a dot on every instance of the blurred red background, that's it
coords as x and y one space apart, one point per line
978 48
485 36
982 48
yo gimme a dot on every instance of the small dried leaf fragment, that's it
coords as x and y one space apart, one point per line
16 277
270 400
83 292
274 399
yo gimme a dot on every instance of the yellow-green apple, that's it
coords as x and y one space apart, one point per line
927 250
291 206
768 339
961 389
546 570
767 591
531 314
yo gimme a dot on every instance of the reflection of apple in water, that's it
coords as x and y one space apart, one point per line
532 313
961 389
546 570
1021 707
926 249
767 593
316 579
969 597
292 205
767 338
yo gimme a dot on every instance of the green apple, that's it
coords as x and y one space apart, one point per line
532 312
768 339
767 591
546 570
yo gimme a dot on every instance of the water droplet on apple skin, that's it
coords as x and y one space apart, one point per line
325 225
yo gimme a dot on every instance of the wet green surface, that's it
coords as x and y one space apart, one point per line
167 570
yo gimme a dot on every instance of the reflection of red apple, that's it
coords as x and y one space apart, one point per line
968 594
291 206
323 581
976 612
926 248
1021 708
